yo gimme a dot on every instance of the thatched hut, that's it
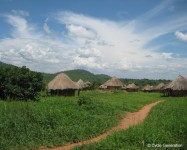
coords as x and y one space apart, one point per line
62 85
177 87
159 87
103 86
114 83
88 85
124 87
81 85
147 88
132 88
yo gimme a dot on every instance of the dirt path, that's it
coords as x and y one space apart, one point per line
130 119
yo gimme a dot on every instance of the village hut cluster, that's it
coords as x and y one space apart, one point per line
115 84
63 85
177 87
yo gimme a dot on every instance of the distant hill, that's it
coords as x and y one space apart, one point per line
96 79
75 75
6 65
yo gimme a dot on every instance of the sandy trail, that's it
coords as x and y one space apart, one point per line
130 119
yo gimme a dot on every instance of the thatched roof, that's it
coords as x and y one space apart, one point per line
180 83
61 82
115 82
80 84
88 84
132 86
159 86
124 87
102 86
148 88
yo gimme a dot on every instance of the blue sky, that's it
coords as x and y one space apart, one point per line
125 38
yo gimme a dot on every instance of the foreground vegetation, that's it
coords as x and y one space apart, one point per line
166 124
59 120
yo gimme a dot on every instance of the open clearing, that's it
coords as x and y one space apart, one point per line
130 119
56 121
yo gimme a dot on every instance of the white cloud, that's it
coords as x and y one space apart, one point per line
166 56
80 31
105 46
181 36
20 12
46 28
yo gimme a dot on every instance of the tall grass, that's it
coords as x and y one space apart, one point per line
58 120
166 124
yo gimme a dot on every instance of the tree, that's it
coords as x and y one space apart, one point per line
20 83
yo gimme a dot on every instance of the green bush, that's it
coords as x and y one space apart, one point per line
82 100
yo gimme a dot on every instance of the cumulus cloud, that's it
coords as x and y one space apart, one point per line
105 46
181 36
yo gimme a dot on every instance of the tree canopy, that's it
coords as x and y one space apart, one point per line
20 83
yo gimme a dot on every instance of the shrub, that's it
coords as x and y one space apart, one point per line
82 100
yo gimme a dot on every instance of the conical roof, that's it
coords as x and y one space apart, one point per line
114 82
159 86
148 88
88 84
132 86
180 83
102 86
80 84
61 82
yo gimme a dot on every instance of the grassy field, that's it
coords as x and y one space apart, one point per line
58 120
166 124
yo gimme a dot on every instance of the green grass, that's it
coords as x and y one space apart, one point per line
166 124
58 120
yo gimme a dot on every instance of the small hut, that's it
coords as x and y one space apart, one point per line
177 87
88 85
159 87
147 88
81 85
114 83
124 87
61 85
103 86
132 88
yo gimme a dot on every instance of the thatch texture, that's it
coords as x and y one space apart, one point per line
159 87
81 85
147 88
180 83
114 83
132 88
62 85
103 86
177 87
88 84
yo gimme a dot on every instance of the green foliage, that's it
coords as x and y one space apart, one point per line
56 121
95 79
166 124
143 82
82 100
19 83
